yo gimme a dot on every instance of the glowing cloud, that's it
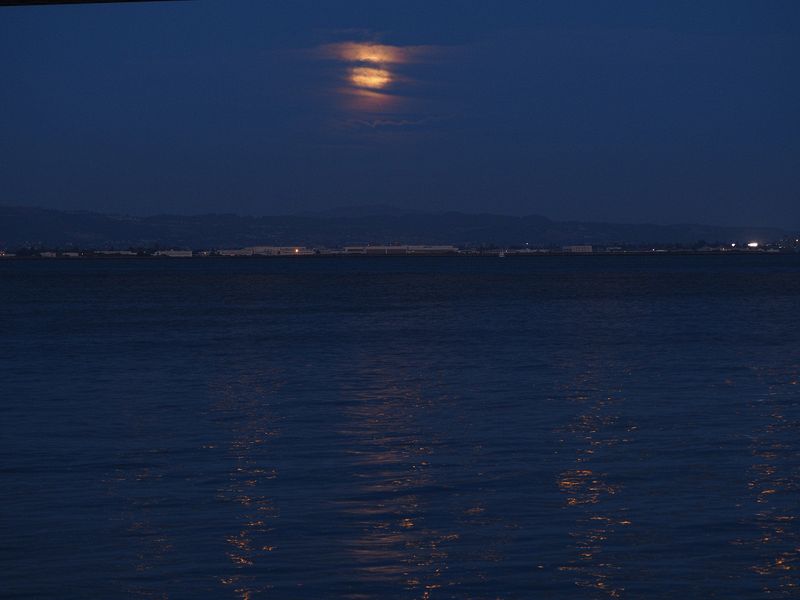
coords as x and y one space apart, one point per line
382 54
377 79
370 77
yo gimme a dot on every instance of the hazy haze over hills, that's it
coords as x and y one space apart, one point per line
23 226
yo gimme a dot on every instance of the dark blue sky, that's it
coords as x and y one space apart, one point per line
666 111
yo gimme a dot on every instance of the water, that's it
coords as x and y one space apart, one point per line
548 427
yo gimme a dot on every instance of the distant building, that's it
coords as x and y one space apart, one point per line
236 252
175 253
432 250
524 251
280 250
584 249
116 252
401 250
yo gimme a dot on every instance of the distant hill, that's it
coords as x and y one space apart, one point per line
26 227
371 210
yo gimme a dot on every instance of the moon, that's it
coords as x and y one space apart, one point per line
372 78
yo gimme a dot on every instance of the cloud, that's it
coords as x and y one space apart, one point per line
383 87
379 68
394 123
380 54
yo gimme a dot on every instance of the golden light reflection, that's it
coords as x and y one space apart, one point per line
390 454
773 484
587 492
243 407
151 546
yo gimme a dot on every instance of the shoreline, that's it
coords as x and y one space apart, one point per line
342 255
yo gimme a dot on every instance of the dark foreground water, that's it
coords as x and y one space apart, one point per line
574 427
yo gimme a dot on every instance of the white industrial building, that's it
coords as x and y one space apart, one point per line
581 249
400 250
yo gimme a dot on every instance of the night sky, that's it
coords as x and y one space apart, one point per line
642 111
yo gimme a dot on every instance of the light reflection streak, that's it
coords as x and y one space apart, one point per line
587 491
391 461
133 482
244 406
774 486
